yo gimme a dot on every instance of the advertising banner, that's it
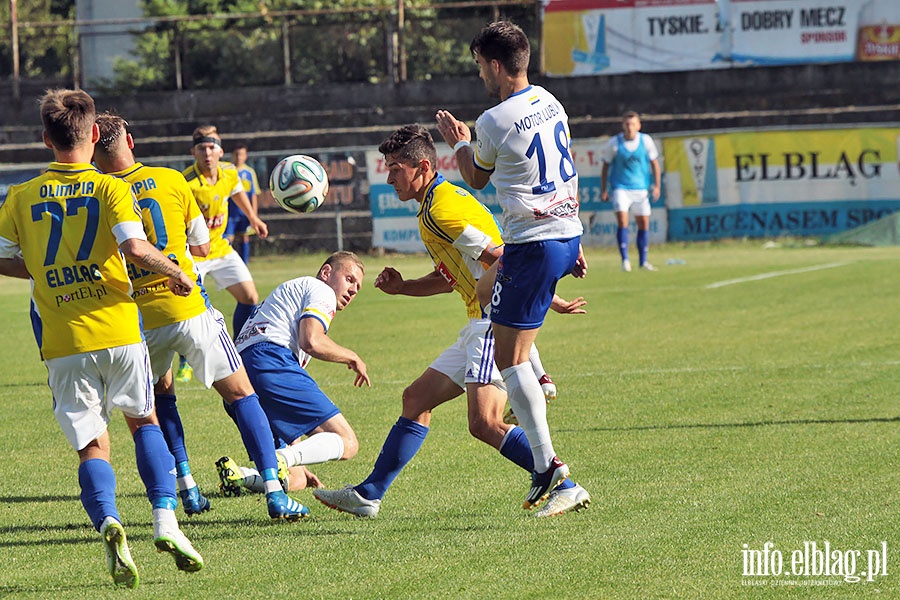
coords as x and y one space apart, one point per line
395 228
609 36
757 184
587 37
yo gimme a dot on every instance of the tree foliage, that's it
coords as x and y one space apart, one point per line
44 52
336 41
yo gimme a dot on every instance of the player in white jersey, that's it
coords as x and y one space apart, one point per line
523 147
631 169
281 336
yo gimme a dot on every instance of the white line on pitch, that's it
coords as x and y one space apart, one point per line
719 284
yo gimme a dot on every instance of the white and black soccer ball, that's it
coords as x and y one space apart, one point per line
299 183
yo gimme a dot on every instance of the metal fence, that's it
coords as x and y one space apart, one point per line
393 42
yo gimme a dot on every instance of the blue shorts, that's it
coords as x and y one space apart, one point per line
291 398
526 280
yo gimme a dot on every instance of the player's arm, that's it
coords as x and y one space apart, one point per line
604 177
454 132
14 267
243 202
313 340
390 281
657 178
198 237
144 254
11 262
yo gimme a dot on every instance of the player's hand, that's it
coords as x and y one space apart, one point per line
359 367
181 285
262 230
302 478
655 193
581 267
568 307
452 129
389 281
604 196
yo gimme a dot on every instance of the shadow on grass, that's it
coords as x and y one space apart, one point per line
769 423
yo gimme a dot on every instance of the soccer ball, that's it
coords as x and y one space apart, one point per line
299 183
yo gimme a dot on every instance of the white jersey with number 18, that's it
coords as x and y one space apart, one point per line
524 142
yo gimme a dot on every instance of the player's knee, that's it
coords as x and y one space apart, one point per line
414 404
480 428
351 445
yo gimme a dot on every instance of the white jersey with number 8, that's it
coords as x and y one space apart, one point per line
524 141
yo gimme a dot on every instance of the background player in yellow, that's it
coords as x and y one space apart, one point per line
187 325
73 225
462 239
213 182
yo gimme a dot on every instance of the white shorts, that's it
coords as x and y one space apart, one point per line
203 340
225 271
88 386
471 358
639 200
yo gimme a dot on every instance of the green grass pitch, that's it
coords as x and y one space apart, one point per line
749 395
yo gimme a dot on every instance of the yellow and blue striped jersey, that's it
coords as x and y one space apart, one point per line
65 223
167 208
249 180
213 202
447 218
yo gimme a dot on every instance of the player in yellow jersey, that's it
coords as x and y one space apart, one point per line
73 225
189 325
213 182
462 239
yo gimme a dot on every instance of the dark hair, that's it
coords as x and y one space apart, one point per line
630 114
68 117
239 146
505 42
410 144
112 129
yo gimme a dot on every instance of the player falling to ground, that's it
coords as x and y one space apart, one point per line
213 182
462 238
523 147
630 159
288 329
190 325
74 227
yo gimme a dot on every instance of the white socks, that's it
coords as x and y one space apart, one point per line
164 521
317 448
535 357
527 401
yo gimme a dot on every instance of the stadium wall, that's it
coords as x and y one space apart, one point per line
340 123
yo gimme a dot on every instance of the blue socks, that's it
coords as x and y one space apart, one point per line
243 249
173 430
516 448
622 239
242 312
255 432
403 441
98 490
642 244
156 466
